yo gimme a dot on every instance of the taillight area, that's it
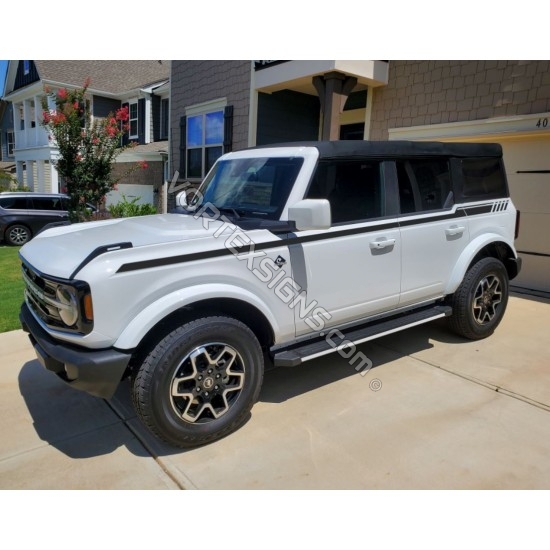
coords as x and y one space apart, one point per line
516 232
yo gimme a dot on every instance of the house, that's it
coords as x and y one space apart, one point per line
7 138
219 106
141 85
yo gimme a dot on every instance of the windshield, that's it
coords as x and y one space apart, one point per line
257 187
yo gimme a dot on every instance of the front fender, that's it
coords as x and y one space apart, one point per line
468 254
155 312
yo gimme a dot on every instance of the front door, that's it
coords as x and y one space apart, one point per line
353 269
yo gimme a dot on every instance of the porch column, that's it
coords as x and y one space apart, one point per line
27 117
55 178
17 126
19 173
30 175
40 177
39 131
333 89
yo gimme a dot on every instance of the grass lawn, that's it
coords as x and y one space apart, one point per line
11 288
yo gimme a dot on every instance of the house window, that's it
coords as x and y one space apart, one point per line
26 67
10 141
133 120
164 118
204 142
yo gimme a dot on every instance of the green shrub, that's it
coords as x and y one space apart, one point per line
9 183
128 208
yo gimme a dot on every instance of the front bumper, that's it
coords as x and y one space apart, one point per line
97 372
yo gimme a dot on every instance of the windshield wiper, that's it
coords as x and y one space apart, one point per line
235 212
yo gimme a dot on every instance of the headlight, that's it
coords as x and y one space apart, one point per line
68 302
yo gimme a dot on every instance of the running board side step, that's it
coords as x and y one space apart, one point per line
332 339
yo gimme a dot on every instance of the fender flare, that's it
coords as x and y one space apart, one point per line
140 326
468 254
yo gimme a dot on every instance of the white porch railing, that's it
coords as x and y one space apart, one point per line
32 137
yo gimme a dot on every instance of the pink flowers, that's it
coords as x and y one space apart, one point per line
143 165
122 114
62 94
58 118
46 117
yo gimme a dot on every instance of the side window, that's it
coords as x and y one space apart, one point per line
424 184
14 203
353 188
483 178
46 203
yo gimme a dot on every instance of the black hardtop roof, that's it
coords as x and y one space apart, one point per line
381 149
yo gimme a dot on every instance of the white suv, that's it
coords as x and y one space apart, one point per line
286 253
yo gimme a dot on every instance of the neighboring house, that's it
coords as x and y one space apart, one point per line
7 138
219 106
141 85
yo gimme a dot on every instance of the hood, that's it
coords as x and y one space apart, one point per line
60 250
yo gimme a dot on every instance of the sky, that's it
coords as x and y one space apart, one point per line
3 69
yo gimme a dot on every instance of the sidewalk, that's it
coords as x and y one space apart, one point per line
434 412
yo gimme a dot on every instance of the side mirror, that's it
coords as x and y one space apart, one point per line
181 199
310 214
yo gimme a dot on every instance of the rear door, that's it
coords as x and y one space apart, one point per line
433 231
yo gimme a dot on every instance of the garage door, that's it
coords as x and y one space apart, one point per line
528 168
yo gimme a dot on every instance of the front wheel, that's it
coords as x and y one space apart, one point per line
17 235
199 383
480 301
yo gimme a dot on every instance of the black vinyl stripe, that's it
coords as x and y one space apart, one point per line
294 239
534 253
478 209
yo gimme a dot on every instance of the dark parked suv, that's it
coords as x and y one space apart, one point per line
23 215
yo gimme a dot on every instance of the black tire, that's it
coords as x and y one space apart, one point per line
481 299
17 235
219 366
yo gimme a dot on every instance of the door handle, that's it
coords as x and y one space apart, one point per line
378 245
454 230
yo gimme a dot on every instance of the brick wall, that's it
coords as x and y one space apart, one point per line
152 175
434 92
195 82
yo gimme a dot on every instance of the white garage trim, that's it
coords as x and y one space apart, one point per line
478 130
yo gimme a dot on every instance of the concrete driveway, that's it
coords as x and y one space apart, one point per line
435 411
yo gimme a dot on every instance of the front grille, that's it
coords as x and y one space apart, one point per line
40 295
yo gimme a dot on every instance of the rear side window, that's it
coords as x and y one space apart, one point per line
424 184
47 203
353 188
14 203
483 178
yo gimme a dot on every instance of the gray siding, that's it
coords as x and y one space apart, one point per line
195 82
287 116
433 92
6 124
22 79
103 106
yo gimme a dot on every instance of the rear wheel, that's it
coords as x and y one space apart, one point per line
481 299
17 235
200 382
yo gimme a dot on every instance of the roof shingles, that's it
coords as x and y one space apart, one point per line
111 77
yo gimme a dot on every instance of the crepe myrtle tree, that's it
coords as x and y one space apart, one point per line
87 149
